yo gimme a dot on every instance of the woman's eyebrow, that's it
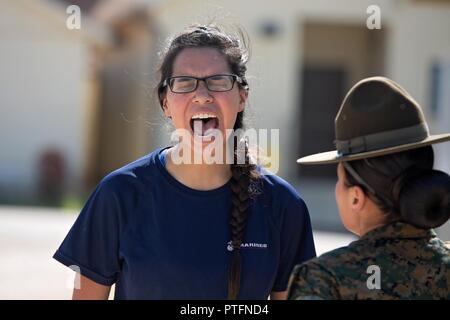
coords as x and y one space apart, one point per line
199 75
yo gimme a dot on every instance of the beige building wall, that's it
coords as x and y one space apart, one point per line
43 94
350 46
419 36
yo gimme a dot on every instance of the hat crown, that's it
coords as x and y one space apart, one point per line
376 105
379 111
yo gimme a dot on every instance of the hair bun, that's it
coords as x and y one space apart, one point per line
423 198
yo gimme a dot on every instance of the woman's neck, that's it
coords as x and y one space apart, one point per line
198 176
371 219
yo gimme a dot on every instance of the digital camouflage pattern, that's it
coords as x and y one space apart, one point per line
413 263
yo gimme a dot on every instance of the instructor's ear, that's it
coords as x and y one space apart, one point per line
358 198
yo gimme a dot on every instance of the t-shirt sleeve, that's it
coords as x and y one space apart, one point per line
297 243
92 244
310 281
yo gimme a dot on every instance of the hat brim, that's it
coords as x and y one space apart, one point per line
333 156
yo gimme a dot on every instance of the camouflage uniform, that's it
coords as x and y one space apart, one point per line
413 263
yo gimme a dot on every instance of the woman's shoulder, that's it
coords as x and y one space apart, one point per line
337 262
335 258
134 176
286 205
278 187
317 278
323 275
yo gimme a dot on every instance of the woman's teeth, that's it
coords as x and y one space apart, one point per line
202 124
203 116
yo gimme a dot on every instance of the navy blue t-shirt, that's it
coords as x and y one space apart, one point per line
156 238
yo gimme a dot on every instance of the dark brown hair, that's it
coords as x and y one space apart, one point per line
244 179
406 186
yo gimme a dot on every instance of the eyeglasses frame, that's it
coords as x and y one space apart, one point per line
236 78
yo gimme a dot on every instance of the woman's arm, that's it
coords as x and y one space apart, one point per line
90 290
278 295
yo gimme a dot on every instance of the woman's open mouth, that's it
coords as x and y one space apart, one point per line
203 124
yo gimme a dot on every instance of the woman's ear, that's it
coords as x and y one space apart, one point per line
357 198
243 96
166 109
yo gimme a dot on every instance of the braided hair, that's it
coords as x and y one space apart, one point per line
245 177
245 188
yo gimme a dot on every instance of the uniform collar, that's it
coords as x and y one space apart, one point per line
399 230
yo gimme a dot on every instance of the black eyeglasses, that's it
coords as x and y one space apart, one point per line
217 83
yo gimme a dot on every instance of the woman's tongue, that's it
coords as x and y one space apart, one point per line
202 127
